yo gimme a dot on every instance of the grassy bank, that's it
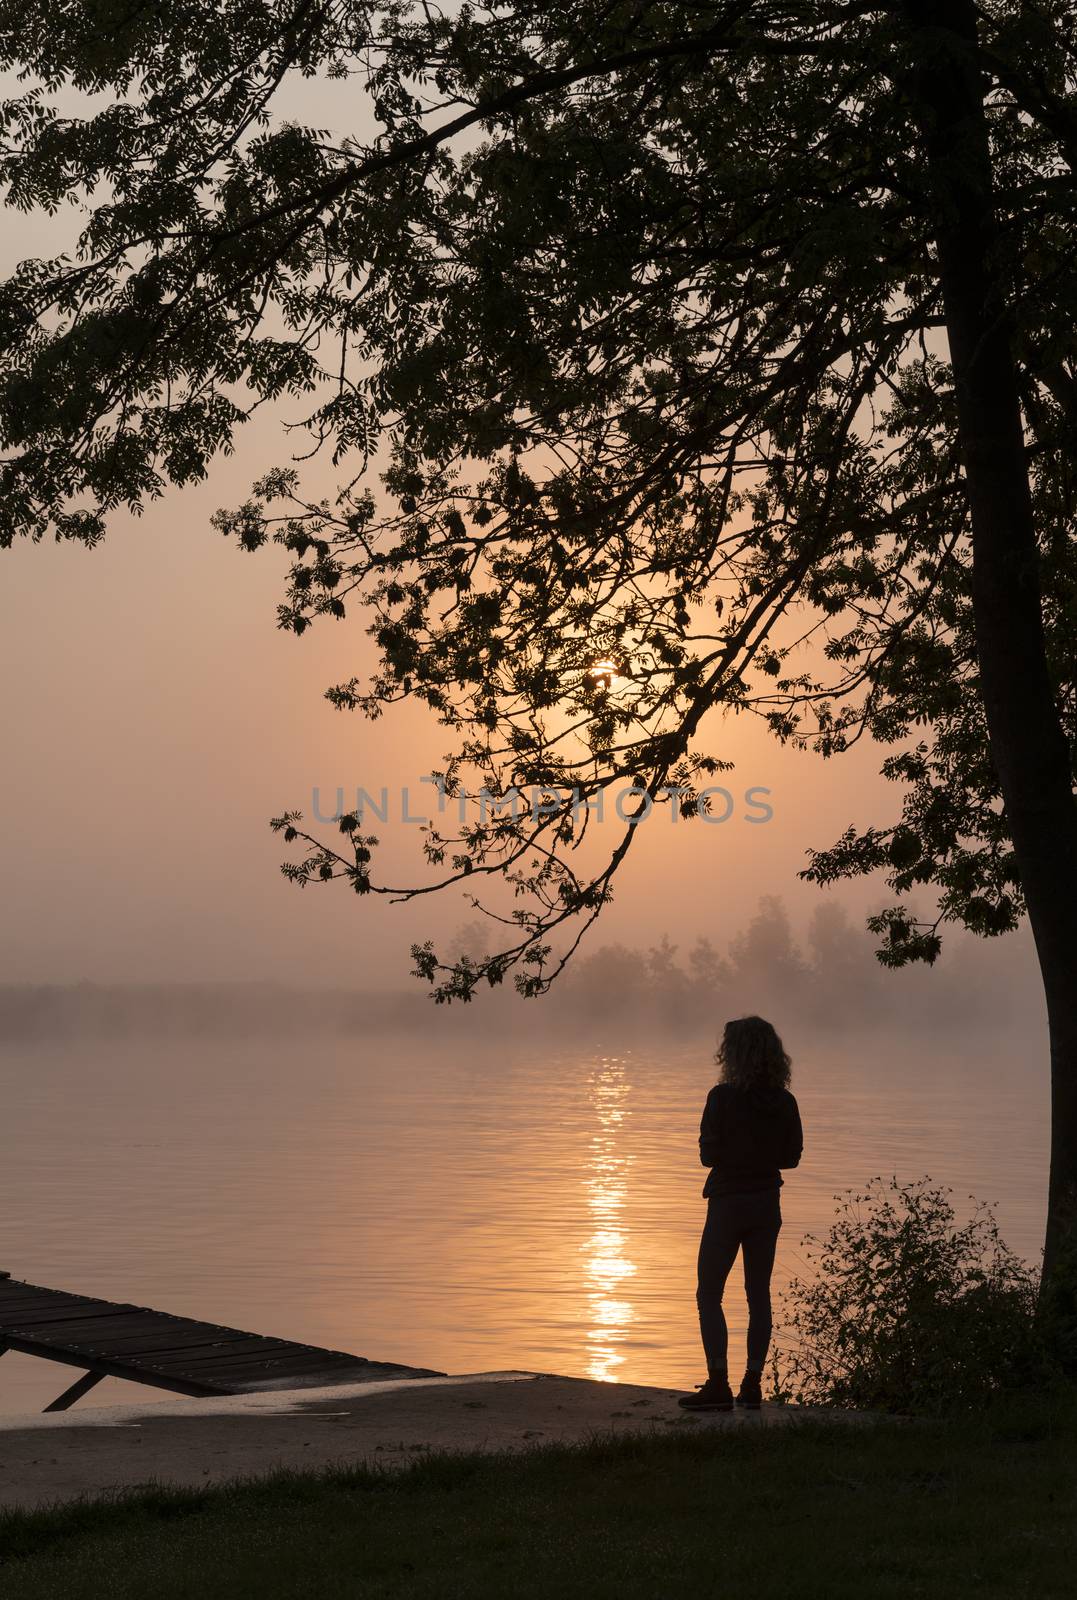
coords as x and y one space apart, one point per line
984 1506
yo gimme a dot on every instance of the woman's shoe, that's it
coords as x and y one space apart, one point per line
714 1395
750 1393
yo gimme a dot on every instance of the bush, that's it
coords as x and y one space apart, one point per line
907 1311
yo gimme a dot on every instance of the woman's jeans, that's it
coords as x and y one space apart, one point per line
750 1223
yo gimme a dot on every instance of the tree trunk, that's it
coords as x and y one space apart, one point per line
1027 742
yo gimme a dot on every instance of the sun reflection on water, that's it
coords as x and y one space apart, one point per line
607 1265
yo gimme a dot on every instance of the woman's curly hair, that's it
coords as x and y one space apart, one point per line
752 1056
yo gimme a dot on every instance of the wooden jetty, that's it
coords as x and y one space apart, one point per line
110 1340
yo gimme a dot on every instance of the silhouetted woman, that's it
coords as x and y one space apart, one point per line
750 1129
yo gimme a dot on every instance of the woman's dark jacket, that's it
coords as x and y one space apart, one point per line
746 1136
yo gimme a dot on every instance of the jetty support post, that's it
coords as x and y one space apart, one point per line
80 1387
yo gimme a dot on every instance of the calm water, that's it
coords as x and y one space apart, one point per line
451 1207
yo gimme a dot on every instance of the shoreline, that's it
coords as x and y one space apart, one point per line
47 1460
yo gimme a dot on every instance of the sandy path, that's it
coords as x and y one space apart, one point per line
95 1451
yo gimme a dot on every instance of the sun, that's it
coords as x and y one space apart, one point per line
602 674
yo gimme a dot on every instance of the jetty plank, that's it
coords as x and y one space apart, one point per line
108 1338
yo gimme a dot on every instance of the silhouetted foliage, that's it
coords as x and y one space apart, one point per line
638 312
908 1311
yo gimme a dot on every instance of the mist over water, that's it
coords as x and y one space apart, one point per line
437 1198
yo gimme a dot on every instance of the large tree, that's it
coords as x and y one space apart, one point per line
672 357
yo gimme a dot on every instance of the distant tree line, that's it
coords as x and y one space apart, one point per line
831 978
